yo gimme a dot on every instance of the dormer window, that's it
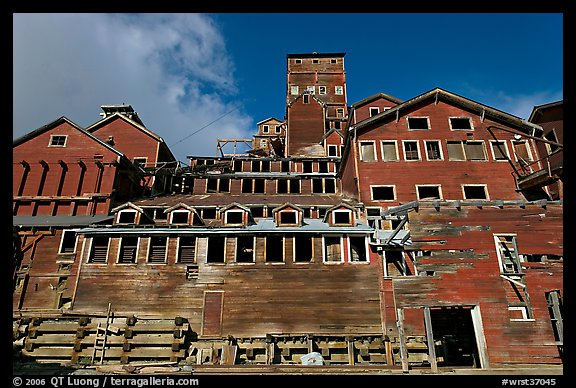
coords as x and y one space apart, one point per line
180 217
288 218
126 217
265 128
342 217
234 217
288 215
182 214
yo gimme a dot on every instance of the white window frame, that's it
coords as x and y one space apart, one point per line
294 90
404 265
396 149
150 247
524 310
91 244
298 216
278 129
430 185
332 146
366 249
373 108
350 216
493 146
373 142
439 147
120 249
253 251
417 148
324 249
297 61
178 258
528 149
339 90
485 186
461 117
383 200
322 89
265 128
135 212
233 211
417 117
52 137
339 112
179 211
64 231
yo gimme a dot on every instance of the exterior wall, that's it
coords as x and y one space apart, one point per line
305 128
362 112
38 189
451 175
466 273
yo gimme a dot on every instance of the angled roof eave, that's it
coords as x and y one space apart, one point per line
375 97
540 108
99 124
268 119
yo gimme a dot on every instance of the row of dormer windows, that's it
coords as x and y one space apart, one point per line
301 166
256 186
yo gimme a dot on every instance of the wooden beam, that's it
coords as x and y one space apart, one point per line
403 350
430 340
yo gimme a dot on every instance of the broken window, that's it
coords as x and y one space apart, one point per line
288 218
460 123
389 150
323 167
187 250
179 217
374 111
285 166
418 123
157 250
475 192
367 151
507 250
332 150
433 151
209 213
383 193
128 249
411 151
265 128
303 248
358 253
555 309
245 249
68 242
127 217
234 217
551 136
212 185
499 150
140 161
395 264
294 90
339 90
332 249
99 250
216 246
428 192
521 151
274 249
342 217
321 89
57 140
306 166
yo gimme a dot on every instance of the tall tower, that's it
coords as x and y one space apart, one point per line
315 102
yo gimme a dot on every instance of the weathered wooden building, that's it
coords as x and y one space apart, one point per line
386 232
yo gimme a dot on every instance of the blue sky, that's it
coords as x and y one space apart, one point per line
193 78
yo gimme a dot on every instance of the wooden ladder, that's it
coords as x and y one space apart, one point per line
101 338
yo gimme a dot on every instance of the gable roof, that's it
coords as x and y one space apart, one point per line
319 101
375 97
285 205
99 124
55 123
269 119
327 134
443 95
126 205
538 109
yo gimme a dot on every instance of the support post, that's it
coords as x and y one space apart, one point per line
430 340
403 349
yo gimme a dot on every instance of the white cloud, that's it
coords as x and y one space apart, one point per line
173 69
521 105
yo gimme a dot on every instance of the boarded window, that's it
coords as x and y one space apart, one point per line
303 248
433 150
212 313
455 150
367 151
157 250
521 150
389 152
99 253
128 248
215 253
187 250
499 150
358 252
382 193
474 150
332 251
274 249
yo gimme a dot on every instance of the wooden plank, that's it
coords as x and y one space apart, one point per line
229 354
430 340
403 350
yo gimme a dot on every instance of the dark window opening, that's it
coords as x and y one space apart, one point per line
329 186
294 186
159 214
337 125
418 123
342 217
209 213
187 185
259 186
246 186
224 186
453 333
321 212
57 141
257 211
238 166
68 241
285 166
475 192
395 264
306 99
382 193
180 217
127 217
215 252
234 217
374 111
128 249
323 167
157 252
306 212
460 123
255 166
317 186
244 249
288 218
395 223
358 249
265 166
332 150
274 249
282 186
303 248
212 185
307 166
373 212
551 136
428 192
